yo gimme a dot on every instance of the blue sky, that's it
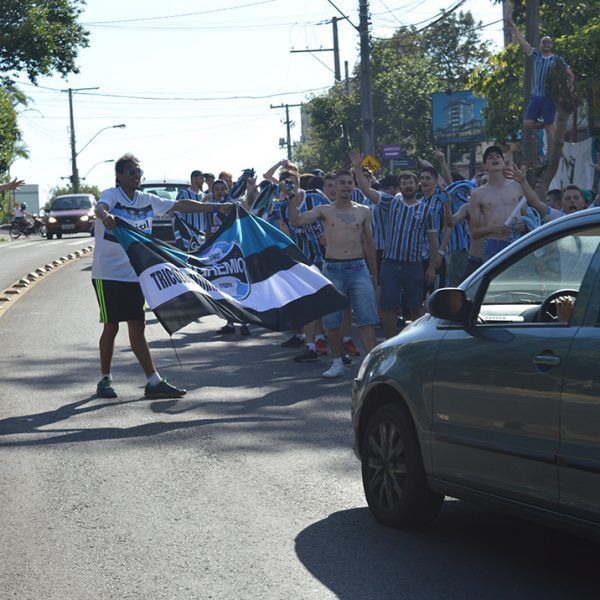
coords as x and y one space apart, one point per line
194 91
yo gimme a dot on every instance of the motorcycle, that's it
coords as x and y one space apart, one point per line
31 225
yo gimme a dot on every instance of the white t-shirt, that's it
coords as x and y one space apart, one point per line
110 260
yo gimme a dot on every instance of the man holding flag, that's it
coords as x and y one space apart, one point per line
116 284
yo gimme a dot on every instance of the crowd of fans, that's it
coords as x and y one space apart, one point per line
428 230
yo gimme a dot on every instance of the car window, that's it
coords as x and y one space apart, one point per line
515 294
72 203
167 191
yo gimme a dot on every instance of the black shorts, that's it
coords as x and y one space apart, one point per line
119 300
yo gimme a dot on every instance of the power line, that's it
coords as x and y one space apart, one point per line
204 12
346 17
181 98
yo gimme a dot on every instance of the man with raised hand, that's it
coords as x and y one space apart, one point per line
117 288
571 198
493 204
348 230
540 105
406 232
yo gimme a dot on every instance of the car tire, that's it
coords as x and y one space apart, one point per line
49 235
59 236
393 475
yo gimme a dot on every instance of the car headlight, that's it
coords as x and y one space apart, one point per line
363 367
51 220
84 218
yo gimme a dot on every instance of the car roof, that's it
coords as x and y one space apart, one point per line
147 182
75 196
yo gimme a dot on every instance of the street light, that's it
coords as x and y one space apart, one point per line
110 160
119 126
75 172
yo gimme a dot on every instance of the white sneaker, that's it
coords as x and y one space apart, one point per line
335 370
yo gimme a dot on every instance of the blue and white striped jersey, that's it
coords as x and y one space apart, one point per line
459 194
196 220
541 65
433 208
377 220
306 237
406 227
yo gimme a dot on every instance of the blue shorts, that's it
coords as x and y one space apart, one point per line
352 277
400 276
491 247
541 106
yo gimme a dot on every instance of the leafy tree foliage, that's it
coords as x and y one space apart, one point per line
61 190
39 37
406 69
575 28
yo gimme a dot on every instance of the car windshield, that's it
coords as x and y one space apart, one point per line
561 264
168 191
72 203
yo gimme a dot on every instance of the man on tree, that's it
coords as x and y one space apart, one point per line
541 104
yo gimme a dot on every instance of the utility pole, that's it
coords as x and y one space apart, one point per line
74 171
287 126
532 22
366 98
335 49
507 11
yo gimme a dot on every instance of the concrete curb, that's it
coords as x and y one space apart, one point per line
10 295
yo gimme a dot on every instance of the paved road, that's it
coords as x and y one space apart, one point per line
19 257
247 488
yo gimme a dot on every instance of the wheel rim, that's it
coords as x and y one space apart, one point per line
386 465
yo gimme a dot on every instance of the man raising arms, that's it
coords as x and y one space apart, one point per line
492 204
119 294
348 230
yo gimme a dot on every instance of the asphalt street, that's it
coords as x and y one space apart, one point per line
246 488
23 255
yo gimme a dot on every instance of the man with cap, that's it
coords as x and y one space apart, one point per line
493 204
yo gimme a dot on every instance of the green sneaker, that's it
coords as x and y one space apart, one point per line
163 389
104 389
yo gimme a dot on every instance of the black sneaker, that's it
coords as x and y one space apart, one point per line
307 356
346 359
294 342
226 329
104 389
244 330
163 389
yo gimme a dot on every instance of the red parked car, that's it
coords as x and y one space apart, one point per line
71 213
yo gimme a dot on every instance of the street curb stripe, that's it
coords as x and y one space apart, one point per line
5 305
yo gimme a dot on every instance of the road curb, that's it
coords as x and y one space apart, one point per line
18 289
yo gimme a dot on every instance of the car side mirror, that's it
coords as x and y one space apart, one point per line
449 304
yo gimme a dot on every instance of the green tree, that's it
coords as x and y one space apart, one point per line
575 29
39 37
406 69
61 190
11 145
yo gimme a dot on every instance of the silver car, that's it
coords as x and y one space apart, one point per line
493 397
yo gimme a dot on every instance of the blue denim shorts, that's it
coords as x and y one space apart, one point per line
398 278
352 277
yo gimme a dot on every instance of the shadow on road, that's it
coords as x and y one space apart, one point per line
466 553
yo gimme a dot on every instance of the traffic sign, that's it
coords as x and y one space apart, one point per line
391 151
371 163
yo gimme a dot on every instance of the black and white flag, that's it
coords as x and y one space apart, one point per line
250 272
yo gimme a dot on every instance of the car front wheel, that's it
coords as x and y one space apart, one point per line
392 471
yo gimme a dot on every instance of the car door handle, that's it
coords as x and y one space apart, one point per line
546 360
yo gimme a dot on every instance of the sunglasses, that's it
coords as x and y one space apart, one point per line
135 171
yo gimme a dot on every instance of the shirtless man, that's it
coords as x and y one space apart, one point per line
492 204
346 224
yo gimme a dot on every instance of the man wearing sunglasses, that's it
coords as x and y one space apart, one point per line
117 289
